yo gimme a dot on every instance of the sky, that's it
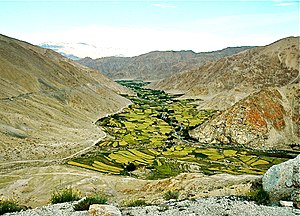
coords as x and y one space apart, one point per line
136 27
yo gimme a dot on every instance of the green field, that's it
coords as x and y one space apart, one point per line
149 139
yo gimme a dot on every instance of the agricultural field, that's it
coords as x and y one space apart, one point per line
150 140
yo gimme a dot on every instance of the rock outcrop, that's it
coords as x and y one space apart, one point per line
283 181
267 119
155 65
104 210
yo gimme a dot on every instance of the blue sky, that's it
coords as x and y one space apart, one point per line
136 27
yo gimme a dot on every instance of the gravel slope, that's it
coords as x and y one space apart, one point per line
214 206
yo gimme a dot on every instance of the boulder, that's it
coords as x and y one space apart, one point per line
283 181
104 210
286 203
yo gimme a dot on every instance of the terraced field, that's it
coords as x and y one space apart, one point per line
149 139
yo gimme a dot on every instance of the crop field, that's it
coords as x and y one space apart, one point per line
150 140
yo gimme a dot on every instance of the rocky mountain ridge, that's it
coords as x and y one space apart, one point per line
233 78
155 65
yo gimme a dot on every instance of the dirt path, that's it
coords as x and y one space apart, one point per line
296 79
65 158
56 160
51 173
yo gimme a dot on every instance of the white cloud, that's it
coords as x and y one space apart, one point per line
199 35
136 41
129 41
163 6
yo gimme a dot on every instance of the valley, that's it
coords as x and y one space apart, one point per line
150 140
167 108
66 125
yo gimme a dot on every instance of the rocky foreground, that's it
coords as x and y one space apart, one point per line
211 206
280 181
206 206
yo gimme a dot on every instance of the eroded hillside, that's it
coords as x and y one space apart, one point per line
222 83
268 119
48 104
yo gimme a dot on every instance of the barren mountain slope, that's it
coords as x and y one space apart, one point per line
257 88
155 65
222 83
48 104
268 119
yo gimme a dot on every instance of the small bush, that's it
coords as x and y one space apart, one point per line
85 204
130 167
259 196
135 203
10 205
171 195
65 195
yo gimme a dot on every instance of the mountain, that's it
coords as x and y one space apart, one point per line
258 91
267 119
155 65
75 51
222 83
48 103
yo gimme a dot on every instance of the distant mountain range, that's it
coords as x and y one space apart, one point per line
157 64
273 65
76 51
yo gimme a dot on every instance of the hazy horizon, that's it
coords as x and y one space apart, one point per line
131 28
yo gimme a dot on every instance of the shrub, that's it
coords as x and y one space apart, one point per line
171 195
10 205
85 203
130 167
65 195
134 203
259 196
